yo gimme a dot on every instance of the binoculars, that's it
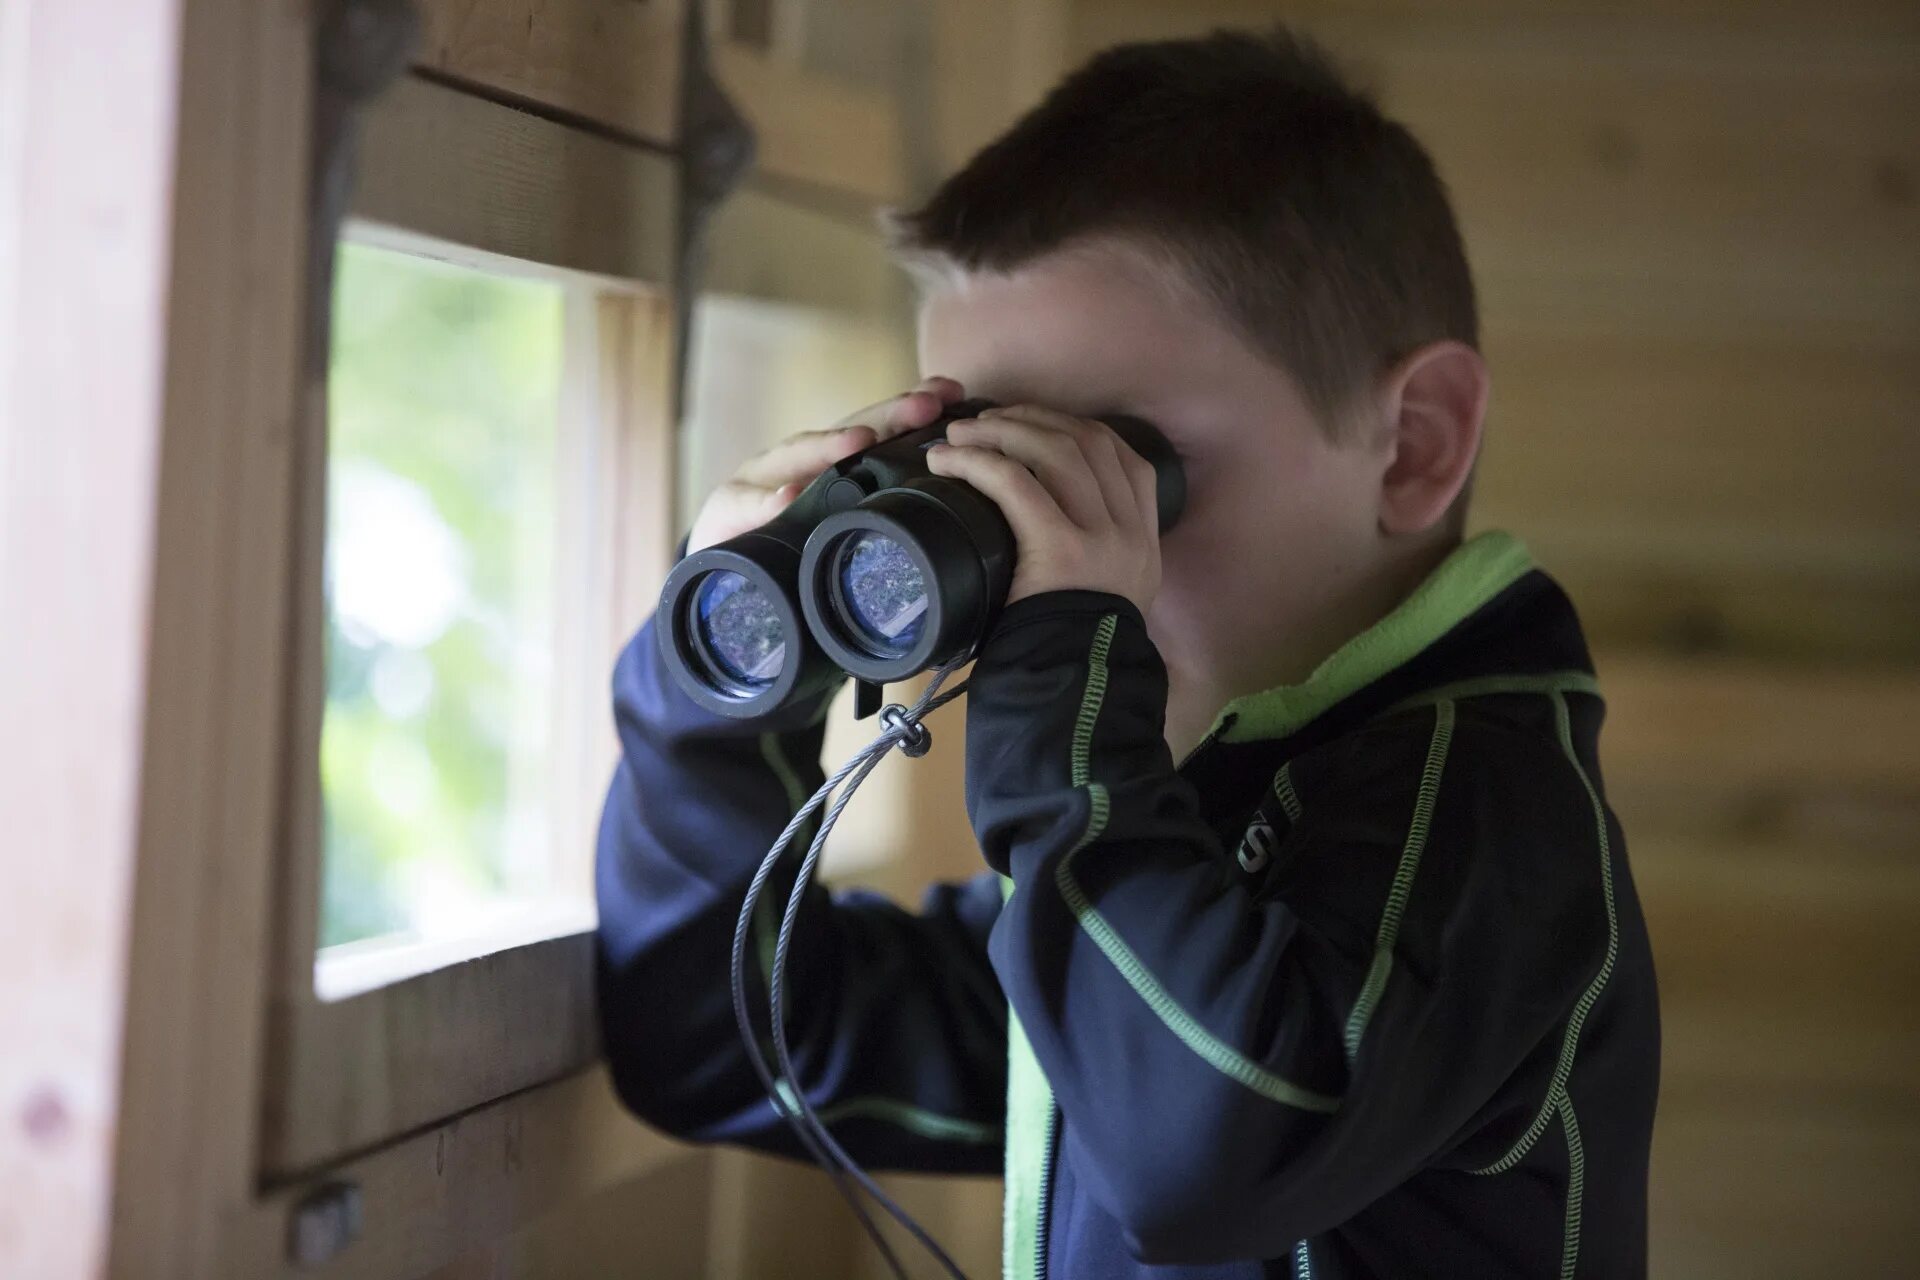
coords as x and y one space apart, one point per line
879 569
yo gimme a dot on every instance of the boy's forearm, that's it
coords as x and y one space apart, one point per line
693 807
874 993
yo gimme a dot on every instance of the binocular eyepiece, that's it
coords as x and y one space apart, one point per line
879 569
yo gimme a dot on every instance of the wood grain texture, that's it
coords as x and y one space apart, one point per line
614 62
359 1072
87 135
212 720
439 1195
1715 184
474 174
1757 728
1634 175
653 1225
810 129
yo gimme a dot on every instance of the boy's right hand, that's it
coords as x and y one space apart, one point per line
768 481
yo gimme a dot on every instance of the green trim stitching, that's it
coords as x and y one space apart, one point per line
1090 699
1390 917
919 1120
1476 572
1217 1053
1029 1096
1564 1067
1283 790
1222 1056
1576 1187
1486 686
1029 1125
1099 809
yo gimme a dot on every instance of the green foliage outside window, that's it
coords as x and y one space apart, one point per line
443 391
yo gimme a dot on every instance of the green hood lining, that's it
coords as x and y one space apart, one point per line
1476 571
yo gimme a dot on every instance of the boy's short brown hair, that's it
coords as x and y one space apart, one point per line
1316 224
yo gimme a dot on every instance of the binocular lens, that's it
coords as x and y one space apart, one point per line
882 593
738 631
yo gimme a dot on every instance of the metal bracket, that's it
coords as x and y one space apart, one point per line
360 46
324 1223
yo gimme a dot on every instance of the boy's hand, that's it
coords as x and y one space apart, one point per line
1081 502
768 481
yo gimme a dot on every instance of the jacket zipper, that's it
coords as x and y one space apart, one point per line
1214 734
1042 1211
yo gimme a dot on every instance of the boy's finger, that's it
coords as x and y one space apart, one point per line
1098 446
1054 457
946 388
806 455
918 407
1031 511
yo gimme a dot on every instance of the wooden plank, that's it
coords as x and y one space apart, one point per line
1676 444
216 634
1785 965
1724 184
1794 1187
351 1074
1749 729
617 64
1634 174
771 248
963 1214
476 174
992 60
776 1218
655 1224
614 62
1706 601
440 1194
814 130
87 137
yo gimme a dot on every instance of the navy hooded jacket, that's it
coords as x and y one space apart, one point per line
1359 989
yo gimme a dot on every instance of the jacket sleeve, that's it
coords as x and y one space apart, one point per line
1245 1060
897 1023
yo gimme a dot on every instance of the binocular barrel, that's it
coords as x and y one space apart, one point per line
878 569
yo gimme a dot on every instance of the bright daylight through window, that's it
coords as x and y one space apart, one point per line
441 597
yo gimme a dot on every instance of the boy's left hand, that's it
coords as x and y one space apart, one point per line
1080 501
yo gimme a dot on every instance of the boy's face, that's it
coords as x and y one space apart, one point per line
1266 571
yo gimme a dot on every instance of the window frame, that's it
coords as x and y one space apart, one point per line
446 175
197 134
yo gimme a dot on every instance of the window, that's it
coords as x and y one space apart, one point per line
485 515
444 395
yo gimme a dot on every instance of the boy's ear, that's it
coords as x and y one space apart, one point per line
1434 403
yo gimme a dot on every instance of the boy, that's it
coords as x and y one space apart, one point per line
1359 986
